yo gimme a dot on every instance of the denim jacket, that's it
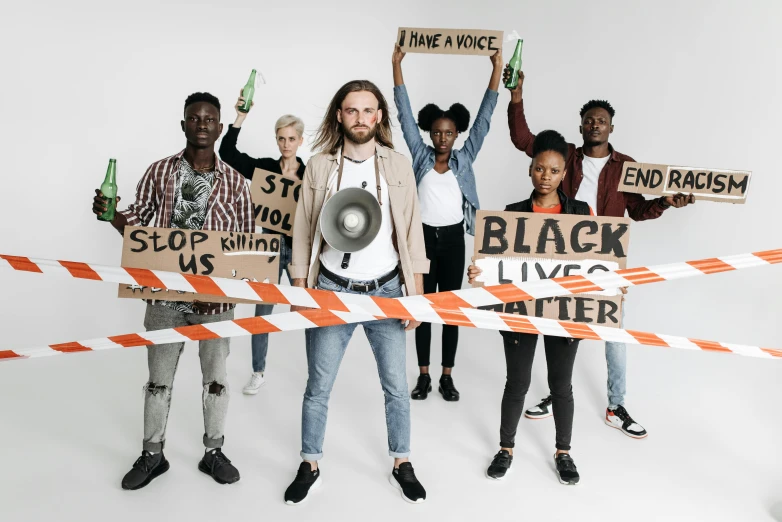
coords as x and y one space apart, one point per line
461 160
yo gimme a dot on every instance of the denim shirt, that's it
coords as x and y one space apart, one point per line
460 161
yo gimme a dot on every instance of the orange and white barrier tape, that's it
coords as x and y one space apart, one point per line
469 297
468 317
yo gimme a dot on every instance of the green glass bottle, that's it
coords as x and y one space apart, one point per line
515 66
248 92
109 191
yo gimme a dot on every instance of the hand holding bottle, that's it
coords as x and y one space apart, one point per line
515 93
100 203
240 116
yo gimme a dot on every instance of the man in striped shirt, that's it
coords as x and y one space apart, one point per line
192 189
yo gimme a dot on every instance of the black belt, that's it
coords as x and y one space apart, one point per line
367 287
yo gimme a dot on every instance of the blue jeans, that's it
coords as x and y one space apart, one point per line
260 342
325 348
616 361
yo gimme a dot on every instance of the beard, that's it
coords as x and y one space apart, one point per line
359 139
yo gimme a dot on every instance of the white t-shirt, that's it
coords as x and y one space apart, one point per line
441 199
380 256
587 191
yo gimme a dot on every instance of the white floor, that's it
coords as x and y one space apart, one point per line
72 427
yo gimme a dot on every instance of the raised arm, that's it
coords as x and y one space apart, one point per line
520 134
404 112
239 161
142 211
482 123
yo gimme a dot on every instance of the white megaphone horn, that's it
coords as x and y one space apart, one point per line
350 221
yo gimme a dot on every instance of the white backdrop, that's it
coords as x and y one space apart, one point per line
693 83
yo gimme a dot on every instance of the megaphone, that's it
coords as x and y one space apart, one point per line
350 221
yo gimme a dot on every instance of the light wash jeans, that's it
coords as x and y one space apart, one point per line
260 342
163 360
616 362
325 348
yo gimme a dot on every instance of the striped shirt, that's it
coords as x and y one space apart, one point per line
229 208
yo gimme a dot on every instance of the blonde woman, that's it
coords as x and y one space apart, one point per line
289 131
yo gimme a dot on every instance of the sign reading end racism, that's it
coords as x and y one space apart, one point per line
274 200
725 186
515 247
238 255
449 41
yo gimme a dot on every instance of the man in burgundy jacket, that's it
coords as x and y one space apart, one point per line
594 172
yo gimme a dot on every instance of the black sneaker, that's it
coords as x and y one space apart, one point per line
403 479
621 420
219 467
422 387
305 480
566 469
146 468
447 389
541 411
500 465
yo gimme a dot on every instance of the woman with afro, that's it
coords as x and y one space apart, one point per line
449 199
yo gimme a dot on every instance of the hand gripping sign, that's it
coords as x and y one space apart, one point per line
456 308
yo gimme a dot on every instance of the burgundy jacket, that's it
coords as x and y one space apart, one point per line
610 202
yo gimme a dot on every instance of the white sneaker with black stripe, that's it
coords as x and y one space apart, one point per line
541 411
619 418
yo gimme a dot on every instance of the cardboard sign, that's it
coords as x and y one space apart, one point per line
514 247
449 41
725 186
240 255
274 200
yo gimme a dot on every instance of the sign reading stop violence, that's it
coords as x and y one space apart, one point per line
274 200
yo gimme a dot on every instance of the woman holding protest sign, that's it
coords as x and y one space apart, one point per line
289 131
449 199
547 171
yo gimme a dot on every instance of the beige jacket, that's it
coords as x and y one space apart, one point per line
402 193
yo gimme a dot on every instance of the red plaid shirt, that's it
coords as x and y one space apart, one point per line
229 208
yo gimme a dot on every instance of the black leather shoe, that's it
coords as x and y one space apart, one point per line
219 467
447 389
422 387
146 468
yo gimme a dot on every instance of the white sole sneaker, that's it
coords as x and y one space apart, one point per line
396 485
252 391
315 485
498 478
538 417
612 425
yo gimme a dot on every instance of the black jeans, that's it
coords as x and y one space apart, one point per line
560 356
445 250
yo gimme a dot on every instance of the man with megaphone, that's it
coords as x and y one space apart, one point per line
358 230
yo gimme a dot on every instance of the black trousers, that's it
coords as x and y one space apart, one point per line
519 354
445 250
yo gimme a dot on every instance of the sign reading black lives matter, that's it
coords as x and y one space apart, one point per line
515 247
724 186
236 255
274 200
449 41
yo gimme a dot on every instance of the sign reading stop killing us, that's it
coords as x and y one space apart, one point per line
449 41
724 186
515 247
237 255
274 200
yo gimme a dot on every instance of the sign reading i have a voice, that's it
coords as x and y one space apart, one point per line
449 41
274 200
515 247
724 186
238 255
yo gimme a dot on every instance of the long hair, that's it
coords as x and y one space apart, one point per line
330 138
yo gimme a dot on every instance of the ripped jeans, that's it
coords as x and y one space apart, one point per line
163 360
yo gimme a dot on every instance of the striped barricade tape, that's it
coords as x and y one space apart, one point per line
469 297
468 317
